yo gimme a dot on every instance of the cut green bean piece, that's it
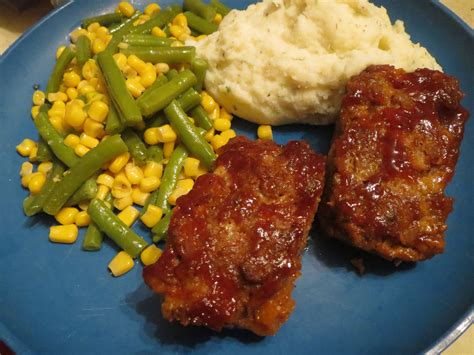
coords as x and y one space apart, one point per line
94 237
160 230
171 74
188 134
189 100
155 153
43 153
55 140
33 204
83 50
169 55
61 64
123 29
104 20
199 24
87 191
160 81
159 20
207 12
118 90
201 118
114 124
135 145
157 121
220 7
199 67
141 40
163 95
87 166
115 229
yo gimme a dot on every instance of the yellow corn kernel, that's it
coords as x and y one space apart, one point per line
162 68
150 255
135 88
126 8
84 87
59 51
102 32
134 173
25 180
217 141
122 203
57 109
152 9
66 215
82 219
150 183
265 132
81 150
191 167
180 20
208 103
72 140
93 27
93 128
75 115
128 215
105 179
121 264
201 37
139 197
120 60
71 79
25 147
158 32
38 97
153 168
182 188
98 111
121 186
88 141
90 69
26 168
152 216
166 134
102 192
36 182
119 162
83 206
218 19
221 124
214 115
66 234
92 36
78 32
168 149
185 184
178 31
98 45
58 123
148 76
34 111
33 153
228 135
224 114
45 167
136 63
72 93
130 73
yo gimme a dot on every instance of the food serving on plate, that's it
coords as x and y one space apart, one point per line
124 122
235 241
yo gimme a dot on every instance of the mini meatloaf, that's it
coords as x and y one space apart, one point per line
393 153
235 241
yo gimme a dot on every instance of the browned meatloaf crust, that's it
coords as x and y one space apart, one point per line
235 241
393 153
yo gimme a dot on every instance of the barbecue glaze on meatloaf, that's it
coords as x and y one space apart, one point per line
393 153
235 241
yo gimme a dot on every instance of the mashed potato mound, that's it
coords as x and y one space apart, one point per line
287 61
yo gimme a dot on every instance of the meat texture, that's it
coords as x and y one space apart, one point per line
393 153
235 241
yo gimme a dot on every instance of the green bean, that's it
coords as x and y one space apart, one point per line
115 229
140 40
43 153
171 74
33 204
201 118
135 145
170 55
114 124
87 191
220 7
160 81
168 181
201 9
94 237
83 50
118 90
163 95
160 230
159 20
155 153
199 24
188 134
103 20
199 67
157 121
61 64
55 140
121 31
189 99
87 166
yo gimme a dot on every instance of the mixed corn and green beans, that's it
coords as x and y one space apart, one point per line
124 123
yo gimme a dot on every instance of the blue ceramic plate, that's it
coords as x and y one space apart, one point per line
57 298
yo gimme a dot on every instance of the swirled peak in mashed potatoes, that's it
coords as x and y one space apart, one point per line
287 61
